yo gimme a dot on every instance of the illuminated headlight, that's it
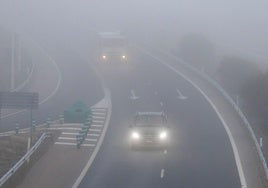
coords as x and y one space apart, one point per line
163 135
123 57
104 57
135 135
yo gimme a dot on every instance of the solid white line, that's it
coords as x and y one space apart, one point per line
162 173
97 126
97 148
235 150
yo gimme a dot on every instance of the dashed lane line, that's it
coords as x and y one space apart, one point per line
162 173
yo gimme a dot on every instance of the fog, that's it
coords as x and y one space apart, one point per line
238 23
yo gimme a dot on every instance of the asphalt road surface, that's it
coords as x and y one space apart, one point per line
200 153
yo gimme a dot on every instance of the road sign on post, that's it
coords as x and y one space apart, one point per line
19 100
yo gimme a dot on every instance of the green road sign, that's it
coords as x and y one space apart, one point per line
77 113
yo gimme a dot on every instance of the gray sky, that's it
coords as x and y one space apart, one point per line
236 22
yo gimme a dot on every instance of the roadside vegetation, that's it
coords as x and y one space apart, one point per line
197 50
243 79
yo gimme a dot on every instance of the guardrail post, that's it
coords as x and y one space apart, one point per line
34 126
17 128
48 122
61 118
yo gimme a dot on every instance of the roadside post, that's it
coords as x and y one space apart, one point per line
61 118
17 128
48 122
20 100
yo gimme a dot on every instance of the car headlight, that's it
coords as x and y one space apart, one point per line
135 135
163 135
123 57
104 57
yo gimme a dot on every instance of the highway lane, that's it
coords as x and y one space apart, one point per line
79 82
200 154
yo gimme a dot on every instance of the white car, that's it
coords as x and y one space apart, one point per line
149 129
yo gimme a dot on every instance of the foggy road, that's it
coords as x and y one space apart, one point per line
226 40
78 83
200 154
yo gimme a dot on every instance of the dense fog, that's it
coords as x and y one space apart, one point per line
238 23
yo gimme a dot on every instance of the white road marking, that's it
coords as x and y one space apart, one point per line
133 96
99 117
97 121
98 109
99 113
91 140
235 149
165 152
181 96
68 138
89 145
97 148
95 130
73 144
91 134
96 125
64 128
162 173
67 133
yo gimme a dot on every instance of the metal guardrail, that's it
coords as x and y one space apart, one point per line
231 101
13 170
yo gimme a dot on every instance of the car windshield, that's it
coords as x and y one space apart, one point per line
149 120
113 43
